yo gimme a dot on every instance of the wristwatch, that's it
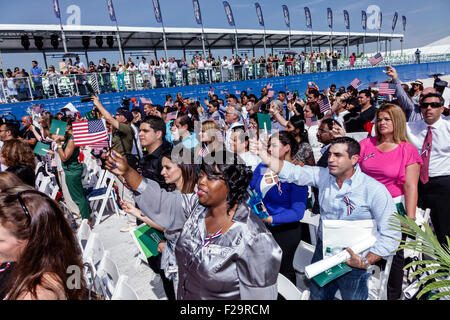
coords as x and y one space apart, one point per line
367 264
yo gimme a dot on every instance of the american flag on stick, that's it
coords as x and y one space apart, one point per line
356 83
311 121
324 105
237 92
269 86
376 59
89 132
373 84
172 115
386 88
99 146
145 100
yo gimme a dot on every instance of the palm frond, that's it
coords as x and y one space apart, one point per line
433 286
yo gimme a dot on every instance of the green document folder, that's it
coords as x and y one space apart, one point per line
264 118
58 127
41 149
147 240
329 275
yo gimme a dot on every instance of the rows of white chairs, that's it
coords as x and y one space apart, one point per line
101 272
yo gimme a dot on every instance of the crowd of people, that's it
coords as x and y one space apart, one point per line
191 169
20 85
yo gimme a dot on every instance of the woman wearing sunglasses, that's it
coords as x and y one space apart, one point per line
36 237
224 250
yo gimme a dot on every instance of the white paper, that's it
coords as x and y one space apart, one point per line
320 266
341 234
71 107
358 136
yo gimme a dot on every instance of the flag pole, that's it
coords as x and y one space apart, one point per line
63 36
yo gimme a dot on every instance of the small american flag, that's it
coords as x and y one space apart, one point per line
373 84
269 86
89 132
249 89
286 87
145 100
219 136
311 121
386 88
99 146
172 115
211 89
356 83
223 91
376 59
290 96
237 92
324 105
203 152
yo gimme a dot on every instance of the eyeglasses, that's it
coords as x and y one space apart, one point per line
24 207
425 105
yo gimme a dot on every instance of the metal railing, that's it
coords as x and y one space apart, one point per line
46 87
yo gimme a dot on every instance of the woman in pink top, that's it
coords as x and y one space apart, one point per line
392 160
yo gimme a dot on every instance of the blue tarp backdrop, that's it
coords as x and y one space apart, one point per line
111 101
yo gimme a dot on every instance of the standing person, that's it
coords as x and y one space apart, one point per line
73 170
232 116
104 68
184 71
352 60
180 178
131 70
342 180
201 69
222 243
285 202
416 91
392 160
120 76
417 53
304 155
173 67
26 134
431 137
36 74
328 59
239 145
311 111
334 60
38 240
362 121
145 72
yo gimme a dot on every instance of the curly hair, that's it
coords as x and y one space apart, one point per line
16 152
233 171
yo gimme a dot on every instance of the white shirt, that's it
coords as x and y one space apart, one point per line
200 64
132 69
143 67
250 159
228 135
340 118
315 144
440 145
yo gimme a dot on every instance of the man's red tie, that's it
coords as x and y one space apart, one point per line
426 149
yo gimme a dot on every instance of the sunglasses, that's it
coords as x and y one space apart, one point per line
24 207
425 105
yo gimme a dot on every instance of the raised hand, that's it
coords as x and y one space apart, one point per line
117 163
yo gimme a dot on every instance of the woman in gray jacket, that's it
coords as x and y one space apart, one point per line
224 250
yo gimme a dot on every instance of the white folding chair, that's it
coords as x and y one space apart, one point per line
83 233
123 290
104 197
107 275
377 282
313 221
302 258
289 291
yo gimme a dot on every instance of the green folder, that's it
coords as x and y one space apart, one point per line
58 127
147 239
264 118
329 275
41 149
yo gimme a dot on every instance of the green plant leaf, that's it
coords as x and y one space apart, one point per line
423 270
418 262
440 295
434 275
434 285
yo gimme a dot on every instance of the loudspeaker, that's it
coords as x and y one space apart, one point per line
99 41
25 42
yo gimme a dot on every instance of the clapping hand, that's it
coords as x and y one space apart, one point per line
337 131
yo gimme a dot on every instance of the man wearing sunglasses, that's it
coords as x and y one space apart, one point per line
431 136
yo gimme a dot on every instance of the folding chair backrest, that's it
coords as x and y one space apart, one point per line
108 274
94 250
123 290
83 233
303 256
287 289
313 221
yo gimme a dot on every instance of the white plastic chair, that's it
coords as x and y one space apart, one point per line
289 291
107 275
313 221
302 258
377 282
83 234
104 198
123 290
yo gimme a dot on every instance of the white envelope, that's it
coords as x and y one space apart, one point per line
340 234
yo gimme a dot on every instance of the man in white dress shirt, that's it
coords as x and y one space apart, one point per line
431 136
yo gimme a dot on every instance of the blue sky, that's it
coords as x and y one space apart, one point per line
425 23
